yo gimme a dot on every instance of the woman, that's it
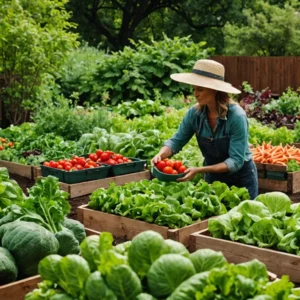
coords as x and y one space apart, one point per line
221 129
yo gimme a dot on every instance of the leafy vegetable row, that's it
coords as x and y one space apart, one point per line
149 268
270 221
171 204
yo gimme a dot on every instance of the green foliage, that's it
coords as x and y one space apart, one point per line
28 243
34 39
269 31
297 132
288 103
68 121
76 74
8 268
136 72
293 166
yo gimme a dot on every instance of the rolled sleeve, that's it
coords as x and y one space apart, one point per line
238 143
183 134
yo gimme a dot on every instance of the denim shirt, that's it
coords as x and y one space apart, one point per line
234 125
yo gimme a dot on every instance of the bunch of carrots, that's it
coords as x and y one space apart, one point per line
278 155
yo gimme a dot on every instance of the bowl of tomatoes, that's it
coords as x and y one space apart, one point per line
169 170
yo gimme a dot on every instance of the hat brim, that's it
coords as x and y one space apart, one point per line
211 83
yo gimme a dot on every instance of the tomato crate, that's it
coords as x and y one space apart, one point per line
76 176
280 263
137 165
126 228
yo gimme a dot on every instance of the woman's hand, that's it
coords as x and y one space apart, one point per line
155 159
190 173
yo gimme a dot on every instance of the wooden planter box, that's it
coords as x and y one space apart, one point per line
276 178
87 187
18 289
280 263
18 169
126 228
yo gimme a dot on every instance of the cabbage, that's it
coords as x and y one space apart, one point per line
28 243
167 272
145 248
8 268
206 259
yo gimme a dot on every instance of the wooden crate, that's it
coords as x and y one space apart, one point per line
18 289
261 170
87 187
290 185
278 262
126 228
19 169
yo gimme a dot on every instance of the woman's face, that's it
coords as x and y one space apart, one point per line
204 95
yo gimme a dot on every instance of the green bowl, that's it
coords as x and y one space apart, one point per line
165 177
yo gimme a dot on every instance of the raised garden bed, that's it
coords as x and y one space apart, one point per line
18 169
280 263
126 228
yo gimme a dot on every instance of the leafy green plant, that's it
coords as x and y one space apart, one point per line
34 39
69 121
288 103
138 71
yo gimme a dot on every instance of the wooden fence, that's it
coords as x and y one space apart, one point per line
277 73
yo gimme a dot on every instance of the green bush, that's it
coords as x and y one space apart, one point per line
140 71
69 121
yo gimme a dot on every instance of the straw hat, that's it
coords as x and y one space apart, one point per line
207 73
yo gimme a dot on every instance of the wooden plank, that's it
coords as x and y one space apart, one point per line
18 289
280 263
89 232
294 182
260 166
126 228
276 168
272 185
37 172
19 169
87 187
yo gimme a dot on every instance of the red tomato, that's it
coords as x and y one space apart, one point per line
3 140
177 164
68 168
74 161
111 162
99 152
105 156
93 156
10 144
46 164
61 162
1 147
99 160
68 164
129 160
160 165
60 167
53 164
170 163
119 156
168 170
175 172
120 161
182 169
125 159
87 166
73 169
78 167
92 163
81 161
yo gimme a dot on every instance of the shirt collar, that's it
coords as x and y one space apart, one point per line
203 112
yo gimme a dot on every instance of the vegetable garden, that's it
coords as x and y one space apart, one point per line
83 213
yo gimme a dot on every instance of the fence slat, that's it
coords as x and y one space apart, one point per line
277 73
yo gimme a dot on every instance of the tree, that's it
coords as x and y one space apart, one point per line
269 31
34 38
115 22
